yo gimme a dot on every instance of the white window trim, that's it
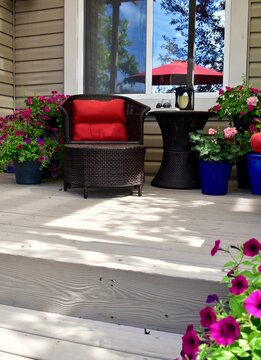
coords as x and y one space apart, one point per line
235 65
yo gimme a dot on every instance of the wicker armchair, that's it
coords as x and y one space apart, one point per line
94 164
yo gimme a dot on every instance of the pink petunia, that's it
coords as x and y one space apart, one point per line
239 285
207 316
225 331
251 247
230 132
212 131
215 248
252 304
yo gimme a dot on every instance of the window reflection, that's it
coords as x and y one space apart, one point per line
170 44
115 45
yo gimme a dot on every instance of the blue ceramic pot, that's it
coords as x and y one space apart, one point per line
214 177
254 171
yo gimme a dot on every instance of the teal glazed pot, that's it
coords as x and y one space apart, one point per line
28 172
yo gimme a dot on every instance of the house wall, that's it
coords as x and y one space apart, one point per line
254 56
39 50
6 57
39 59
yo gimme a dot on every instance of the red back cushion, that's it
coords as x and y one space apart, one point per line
96 120
95 111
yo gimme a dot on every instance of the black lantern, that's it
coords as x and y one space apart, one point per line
184 98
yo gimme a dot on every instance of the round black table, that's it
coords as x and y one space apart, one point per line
179 166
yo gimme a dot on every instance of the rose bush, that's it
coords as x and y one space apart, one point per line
231 329
241 101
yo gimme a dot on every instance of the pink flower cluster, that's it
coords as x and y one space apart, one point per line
230 132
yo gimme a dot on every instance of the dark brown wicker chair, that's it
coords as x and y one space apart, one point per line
92 164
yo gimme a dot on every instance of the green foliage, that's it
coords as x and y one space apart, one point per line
217 145
33 133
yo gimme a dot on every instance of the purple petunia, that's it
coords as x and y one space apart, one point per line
27 140
212 298
40 141
215 248
251 247
252 304
239 285
225 331
207 316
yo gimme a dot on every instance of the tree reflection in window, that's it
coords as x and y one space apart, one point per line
115 39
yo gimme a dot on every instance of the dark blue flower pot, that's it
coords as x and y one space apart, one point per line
214 177
254 171
28 172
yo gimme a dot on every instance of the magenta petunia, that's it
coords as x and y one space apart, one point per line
252 304
207 316
190 344
259 269
239 285
225 331
251 247
215 248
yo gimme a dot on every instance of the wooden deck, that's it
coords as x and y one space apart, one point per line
87 276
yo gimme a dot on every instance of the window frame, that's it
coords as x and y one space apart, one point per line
235 56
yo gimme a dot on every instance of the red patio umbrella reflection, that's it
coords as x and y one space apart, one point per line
175 73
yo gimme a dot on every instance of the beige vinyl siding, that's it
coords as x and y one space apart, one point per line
39 43
254 69
6 57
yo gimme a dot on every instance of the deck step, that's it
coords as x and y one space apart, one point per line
29 334
127 260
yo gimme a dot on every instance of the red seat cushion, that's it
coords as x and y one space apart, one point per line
100 132
95 111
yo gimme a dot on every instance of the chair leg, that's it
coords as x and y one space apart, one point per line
85 192
65 185
140 190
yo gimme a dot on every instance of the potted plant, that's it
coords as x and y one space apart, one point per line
217 150
231 328
32 137
240 105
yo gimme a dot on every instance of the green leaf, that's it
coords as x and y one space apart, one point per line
247 263
229 264
257 282
222 355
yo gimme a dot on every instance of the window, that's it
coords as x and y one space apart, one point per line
235 55
115 44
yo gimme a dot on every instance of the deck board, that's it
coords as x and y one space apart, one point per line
46 336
